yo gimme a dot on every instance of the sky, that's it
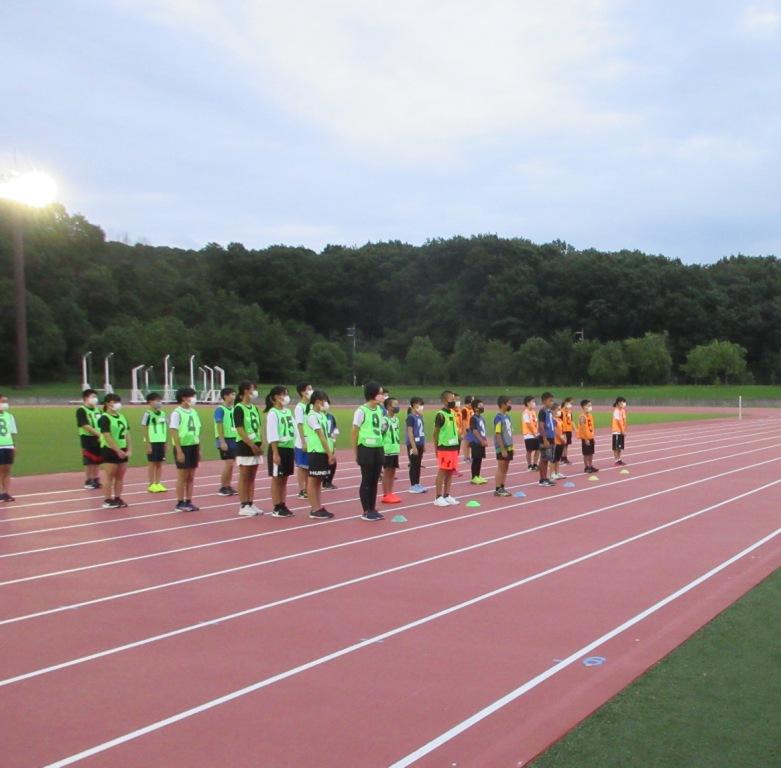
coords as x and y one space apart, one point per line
605 123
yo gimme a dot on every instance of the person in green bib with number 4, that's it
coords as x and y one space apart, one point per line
155 424
7 449
185 428
249 446
114 449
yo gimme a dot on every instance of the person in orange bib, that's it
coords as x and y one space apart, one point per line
529 431
559 442
467 411
619 429
566 418
587 435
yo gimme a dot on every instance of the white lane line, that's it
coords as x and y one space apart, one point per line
341 545
236 694
529 685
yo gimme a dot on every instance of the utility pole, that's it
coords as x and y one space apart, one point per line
352 332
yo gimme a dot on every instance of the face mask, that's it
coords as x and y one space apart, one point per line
480 409
92 401
588 409
395 409
190 401
325 406
451 404
156 405
254 394
569 406
509 407
458 403
308 393
286 401
116 406
4 406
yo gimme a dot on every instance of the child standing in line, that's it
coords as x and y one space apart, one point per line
333 433
87 415
304 390
566 417
586 433
503 442
559 441
249 446
184 426
478 440
416 443
447 440
460 428
225 434
530 431
321 456
368 449
391 444
467 411
547 435
7 448
280 436
155 426
619 426
115 449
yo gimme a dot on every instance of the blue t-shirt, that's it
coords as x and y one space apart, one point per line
503 431
418 430
476 422
547 424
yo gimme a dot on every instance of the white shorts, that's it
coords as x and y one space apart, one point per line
248 461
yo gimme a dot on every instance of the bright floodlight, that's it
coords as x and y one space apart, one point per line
36 189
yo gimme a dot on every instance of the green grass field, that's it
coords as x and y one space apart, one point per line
715 702
48 442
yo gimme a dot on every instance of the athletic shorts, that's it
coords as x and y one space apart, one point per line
157 454
287 463
318 465
618 442
568 436
547 454
391 461
447 460
510 455
301 458
108 456
557 453
587 447
192 456
531 443
90 450
6 456
478 451
230 454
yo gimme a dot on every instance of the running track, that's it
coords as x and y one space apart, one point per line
144 637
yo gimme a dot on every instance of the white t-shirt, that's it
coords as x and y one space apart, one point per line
358 417
298 418
175 420
272 427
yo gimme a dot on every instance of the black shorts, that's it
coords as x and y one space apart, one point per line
6 456
192 456
287 464
532 444
618 442
230 454
390 461
510 455
110 457
568 436
90 450
587 447
368 456
478 451
557 453
318 464
157 454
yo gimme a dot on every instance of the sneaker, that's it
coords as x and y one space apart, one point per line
452 501
109 504
475 481
322 514
88 486
330 486
161 488
535 467
247 510
483 481
8 497
120 502
502 492
547 483
302 495
181 507
440 502
281 511
530 467
191 507
417 488
372 515
224 491
96 484
391 498
257 509
594 469
620 463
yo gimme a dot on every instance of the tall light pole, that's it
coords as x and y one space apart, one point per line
352 332
35 190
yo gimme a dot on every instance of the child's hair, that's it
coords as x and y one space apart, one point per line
546 395
279 389
528 399
618 401
319 395
390 399
243 387
371 389
153 396
302 387
469 399
502 400
555 407
183 392
413 401
111 397
443 397
88 392
566 400
225 392
584 403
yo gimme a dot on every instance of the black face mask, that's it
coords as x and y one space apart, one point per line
480 409
451 404
509 407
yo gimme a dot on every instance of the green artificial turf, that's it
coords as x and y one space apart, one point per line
715 702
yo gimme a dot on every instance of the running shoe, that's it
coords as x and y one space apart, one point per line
191 507
547 483
452 501
247 510
109 504
281 511
120 502
417 488
440 502
620 463
302 495
391 498
371 515
322 514
224 491
502 492
330 487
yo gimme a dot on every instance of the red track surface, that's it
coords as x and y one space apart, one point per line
362 644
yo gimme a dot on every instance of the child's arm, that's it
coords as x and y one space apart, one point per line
129 446
219 423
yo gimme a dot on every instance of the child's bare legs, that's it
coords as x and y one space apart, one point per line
388 478
226 476
440 482
5 478
119 479
110 471
303 478
313 491
501 472
448 481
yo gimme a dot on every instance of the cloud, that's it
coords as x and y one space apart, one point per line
416 77
762 19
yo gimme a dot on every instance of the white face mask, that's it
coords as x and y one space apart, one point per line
458 403
286 401
254 394
4 406
325 406
569 406
191 401
92 400
116 406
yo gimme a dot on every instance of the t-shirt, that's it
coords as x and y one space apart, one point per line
547 424
415 422
299 413
272 427
503 431
477 422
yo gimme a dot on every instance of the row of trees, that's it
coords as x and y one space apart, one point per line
481 308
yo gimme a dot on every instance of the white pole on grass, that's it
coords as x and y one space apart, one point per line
210 387
136 396
192 371
147 371
85 377
108 389
740 407
167 388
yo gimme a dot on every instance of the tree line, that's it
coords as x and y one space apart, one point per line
480 310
